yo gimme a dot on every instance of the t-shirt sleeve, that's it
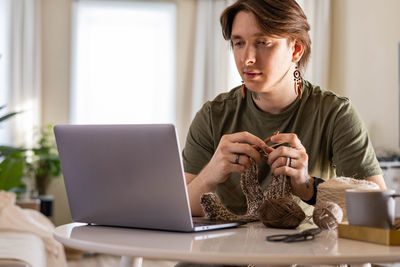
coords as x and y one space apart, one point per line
199 146
353 154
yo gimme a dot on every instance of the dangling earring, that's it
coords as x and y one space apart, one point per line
298 83
243 90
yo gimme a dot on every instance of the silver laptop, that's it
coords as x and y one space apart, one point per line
127 175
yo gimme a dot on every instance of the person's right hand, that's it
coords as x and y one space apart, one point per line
233 155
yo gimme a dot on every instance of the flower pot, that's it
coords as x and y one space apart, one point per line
42 183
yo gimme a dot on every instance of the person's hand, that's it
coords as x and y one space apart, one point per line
233 155
291 161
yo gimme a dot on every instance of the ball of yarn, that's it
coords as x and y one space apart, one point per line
281 213
327 215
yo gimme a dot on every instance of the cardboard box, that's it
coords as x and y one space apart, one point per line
369 234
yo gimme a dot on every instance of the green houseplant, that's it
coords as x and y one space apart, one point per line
45 163
12 162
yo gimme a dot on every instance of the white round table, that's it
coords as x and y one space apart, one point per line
242 245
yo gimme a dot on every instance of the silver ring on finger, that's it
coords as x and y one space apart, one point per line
289 162
237 159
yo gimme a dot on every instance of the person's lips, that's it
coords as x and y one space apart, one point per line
250 75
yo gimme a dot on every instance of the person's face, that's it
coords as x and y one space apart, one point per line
262 61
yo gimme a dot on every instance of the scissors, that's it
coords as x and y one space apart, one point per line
305 235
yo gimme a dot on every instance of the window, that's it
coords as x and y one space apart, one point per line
123 62
234 78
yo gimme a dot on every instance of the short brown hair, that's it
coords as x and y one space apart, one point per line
279 18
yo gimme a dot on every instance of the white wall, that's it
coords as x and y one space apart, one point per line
364 62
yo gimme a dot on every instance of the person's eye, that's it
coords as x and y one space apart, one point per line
238 43
263 43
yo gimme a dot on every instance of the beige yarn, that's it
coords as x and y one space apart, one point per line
214 209
334 190
327 215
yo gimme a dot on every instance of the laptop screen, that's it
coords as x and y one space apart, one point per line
124 175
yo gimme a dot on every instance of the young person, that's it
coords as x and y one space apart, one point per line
325 136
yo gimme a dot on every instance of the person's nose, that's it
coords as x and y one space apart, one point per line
249 56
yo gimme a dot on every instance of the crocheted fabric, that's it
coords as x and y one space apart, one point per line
279 187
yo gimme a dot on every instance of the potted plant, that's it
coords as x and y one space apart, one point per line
44 165
12 162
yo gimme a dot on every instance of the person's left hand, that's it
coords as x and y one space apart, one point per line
297 169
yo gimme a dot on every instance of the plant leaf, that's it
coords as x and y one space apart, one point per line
11 172
8 150
9 115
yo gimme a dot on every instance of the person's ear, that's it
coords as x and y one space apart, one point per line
298 50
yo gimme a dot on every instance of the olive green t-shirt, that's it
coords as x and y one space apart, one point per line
335 139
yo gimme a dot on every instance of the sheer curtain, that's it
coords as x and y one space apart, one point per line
21 68
4 136
206 68
318 13
212 54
